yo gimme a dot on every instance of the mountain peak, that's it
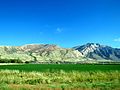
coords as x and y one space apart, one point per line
97 51
89 44
92 45
87 48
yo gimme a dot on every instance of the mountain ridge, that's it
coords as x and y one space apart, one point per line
97 51
54 53
39 53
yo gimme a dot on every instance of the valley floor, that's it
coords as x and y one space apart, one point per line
59 77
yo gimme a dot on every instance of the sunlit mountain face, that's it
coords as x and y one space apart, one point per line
38 53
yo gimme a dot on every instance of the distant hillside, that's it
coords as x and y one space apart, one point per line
99 52
39 53
42 53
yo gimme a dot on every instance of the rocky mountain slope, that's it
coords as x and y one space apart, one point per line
99 52
39 53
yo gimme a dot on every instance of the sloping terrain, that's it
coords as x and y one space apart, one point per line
39 53
99 52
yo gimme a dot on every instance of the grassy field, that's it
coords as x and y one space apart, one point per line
62 76
65 67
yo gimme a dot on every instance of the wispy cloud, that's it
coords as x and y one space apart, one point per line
59 30
117 40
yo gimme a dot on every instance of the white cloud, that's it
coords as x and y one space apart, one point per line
117 40
58 30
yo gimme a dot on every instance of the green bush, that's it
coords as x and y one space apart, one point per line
10 61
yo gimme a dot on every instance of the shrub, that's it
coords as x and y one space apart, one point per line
10 61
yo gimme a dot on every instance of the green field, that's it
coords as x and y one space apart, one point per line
62 76
65 67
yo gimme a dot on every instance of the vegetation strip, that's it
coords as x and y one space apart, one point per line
65 67
60 76
62 79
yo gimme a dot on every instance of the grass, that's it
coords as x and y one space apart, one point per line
63 76
58 67
62 79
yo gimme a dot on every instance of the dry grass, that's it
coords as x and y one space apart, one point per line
43 87
59 80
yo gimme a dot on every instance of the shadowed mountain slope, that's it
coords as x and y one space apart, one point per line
97 51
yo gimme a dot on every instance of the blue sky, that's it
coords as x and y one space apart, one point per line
63 22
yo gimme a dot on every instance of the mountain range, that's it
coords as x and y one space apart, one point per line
99 52
41 53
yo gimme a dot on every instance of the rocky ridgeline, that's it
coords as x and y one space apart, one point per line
99 52
39 53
